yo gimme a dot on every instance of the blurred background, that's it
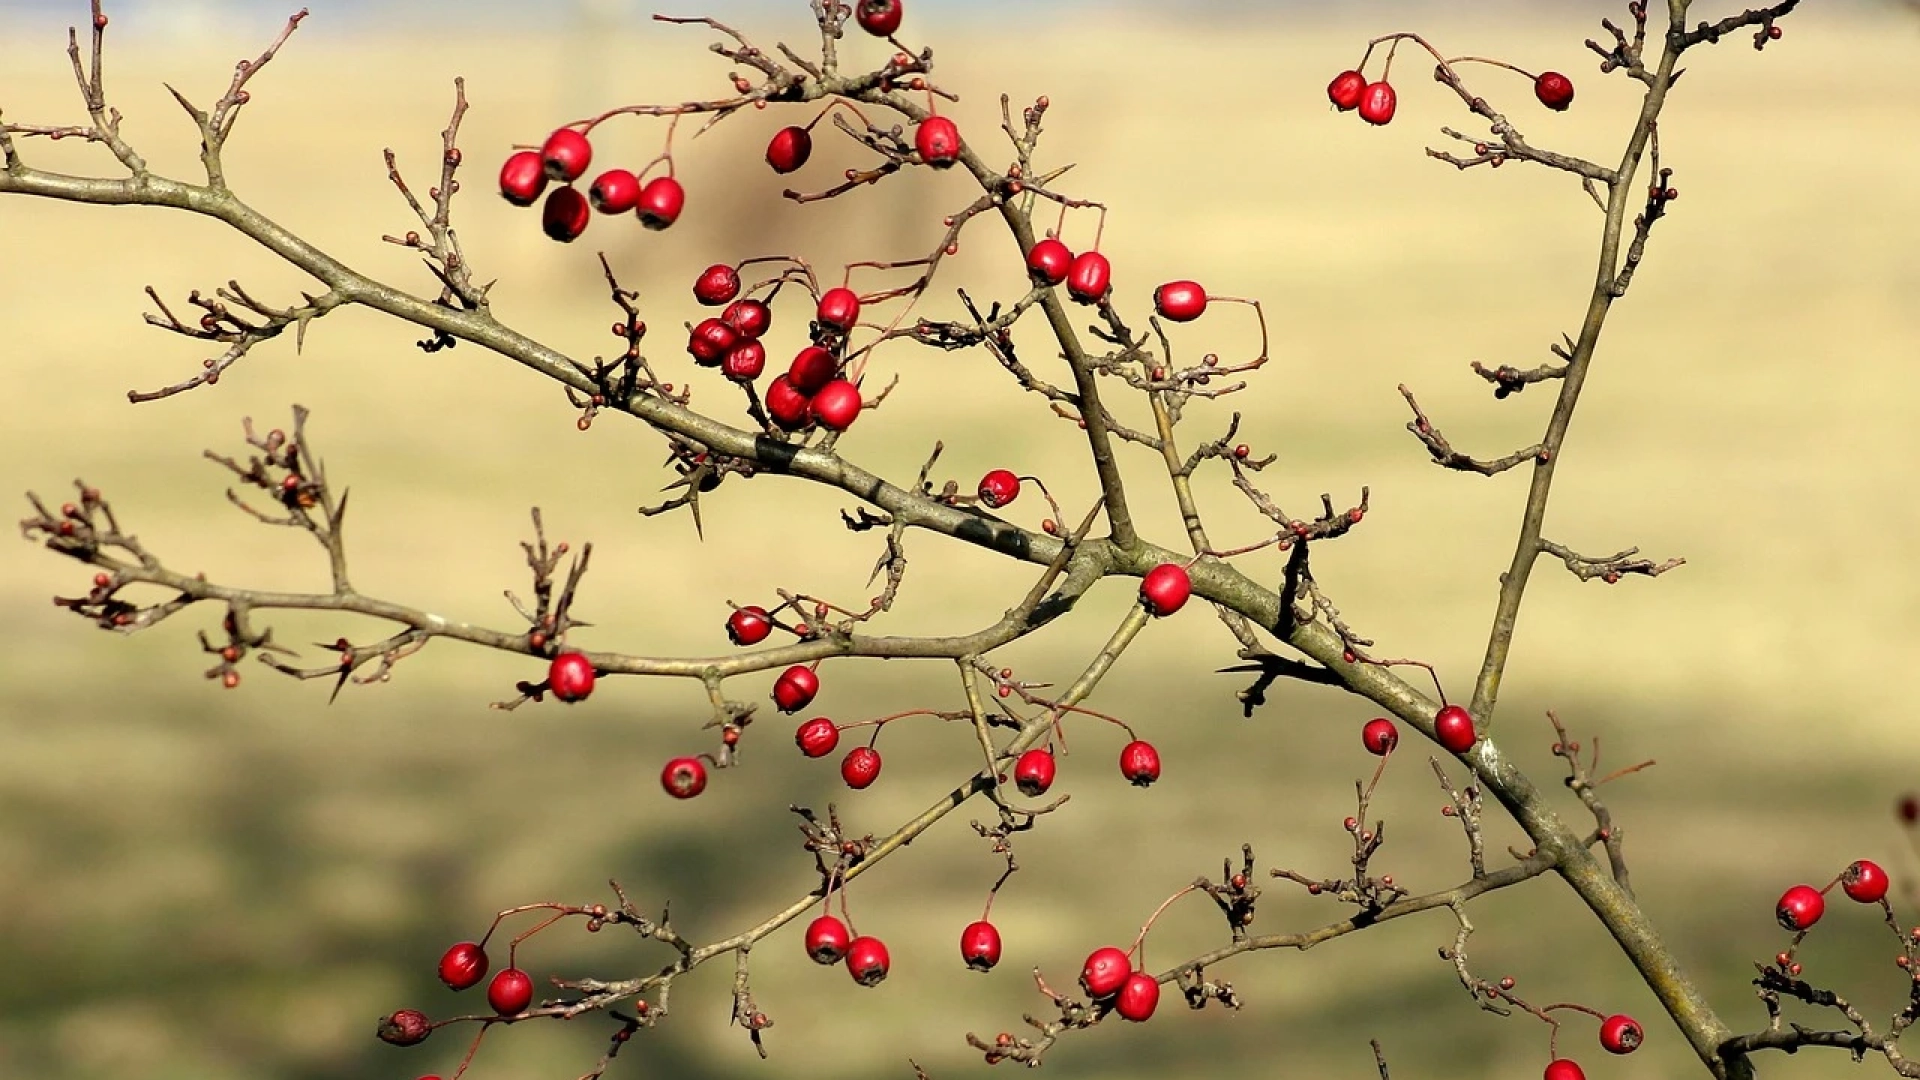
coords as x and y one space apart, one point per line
216 885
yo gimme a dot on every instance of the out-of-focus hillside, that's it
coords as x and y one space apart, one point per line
219 885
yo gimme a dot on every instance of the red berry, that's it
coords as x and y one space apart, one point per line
1139 996
1453 727
980 945
789 149
1345 89
408 1027
813 368
661 202
510 992
1180 301
795 688
463 966
1377 102
786 405
1140 763
1554 90
867 960
1864 881
817 737
1564 1069
839 308
938 141
1619 1034
827 940
615 191
1089 277
998 488
566 155
523 178
750 317
684 777
1105 972
837 405
716 285
565 215
1800 907
879 17
1380 736
1033 773
745 361
710 341
861 767
1048 261
571 677
1165 588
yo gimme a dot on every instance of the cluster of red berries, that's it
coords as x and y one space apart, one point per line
829 942
1375 101
1088 275
1803 905
1108 976
564 158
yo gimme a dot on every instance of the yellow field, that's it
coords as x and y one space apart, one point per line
222 885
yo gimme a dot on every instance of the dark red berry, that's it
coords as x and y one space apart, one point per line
817 737
749 625
1800 907
839 308
716 285
938 141
1380 736
787 406
523 178
510 992
1139 996
1563 1069
1864 881
566 155
745 361
1033 773
1453 727
980 945
571 676
408 1027
1089 277
789 149
1908 809
867 960
1554 90
1048 261
879 17
661 202
750 317
861 767
463 966
1377 103
615 191
1140 763
1165 588
795 688
1105 972
1345 89
827 940
684 777
565 215
1620 1034
837 405
812 368
1180 301
998 488
709 342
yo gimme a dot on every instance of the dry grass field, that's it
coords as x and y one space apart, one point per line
222 885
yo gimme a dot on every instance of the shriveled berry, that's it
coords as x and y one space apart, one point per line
827 940
998 488
789 149
861 767
1379 736
566 155
1800 907
463 965
1105 972
1345 89
709 342
1034 771
745 361
408 1027
716 285
817 737
684 777
750 318
1140 763
523 177
980 945
571 676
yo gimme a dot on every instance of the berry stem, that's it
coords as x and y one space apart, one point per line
1138 949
